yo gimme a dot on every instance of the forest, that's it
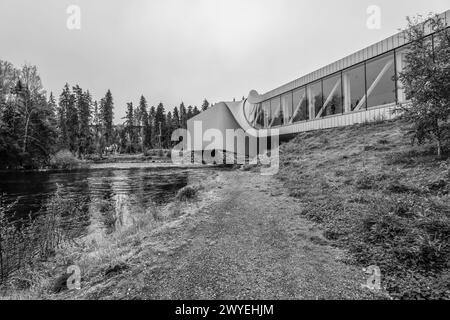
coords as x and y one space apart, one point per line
34 125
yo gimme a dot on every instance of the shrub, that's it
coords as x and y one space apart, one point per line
187 193
24 241
64 159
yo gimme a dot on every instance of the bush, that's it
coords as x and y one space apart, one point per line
187 193
24 241
64 159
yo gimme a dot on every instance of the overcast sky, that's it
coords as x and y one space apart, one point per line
188 50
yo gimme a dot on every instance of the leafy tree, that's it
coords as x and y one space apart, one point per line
426 80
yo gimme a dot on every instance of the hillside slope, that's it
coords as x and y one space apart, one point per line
381 198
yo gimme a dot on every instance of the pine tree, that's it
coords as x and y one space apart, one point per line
84 102
175 118
129 127
190 113
205 105
152 124
142 120
72 120
195 111
106 108
147 131
183 116
168 129
160 123
64 102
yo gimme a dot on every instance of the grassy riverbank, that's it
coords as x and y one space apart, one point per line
99 256
384 200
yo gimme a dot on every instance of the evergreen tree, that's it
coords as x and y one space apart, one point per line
183 116
106 108
195 111
175 118
72 120
129 128
190 113
84 102
64 102
168 129
205 105
160 123
142 121
152 125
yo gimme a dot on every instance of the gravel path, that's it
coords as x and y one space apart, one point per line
247 242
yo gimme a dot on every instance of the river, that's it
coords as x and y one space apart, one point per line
125 187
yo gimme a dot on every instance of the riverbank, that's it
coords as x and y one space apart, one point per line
240 236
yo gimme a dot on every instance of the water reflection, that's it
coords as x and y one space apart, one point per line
111 196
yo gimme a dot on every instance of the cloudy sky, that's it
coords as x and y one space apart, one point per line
188 50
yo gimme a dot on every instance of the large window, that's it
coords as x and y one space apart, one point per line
286 107
276 115
266 113
250 112
332 96
259 117
354 88
300 106
380 81
315 100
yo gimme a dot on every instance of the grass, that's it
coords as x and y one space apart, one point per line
99 257
383 200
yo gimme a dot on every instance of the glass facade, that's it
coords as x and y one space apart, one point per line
300 106
259 118
286 107
276 114
372 83
332 95
266 114
354 88
380 81
315 98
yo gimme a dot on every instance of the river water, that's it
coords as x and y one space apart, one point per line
124 187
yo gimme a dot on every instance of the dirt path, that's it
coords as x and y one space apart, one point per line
247 242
